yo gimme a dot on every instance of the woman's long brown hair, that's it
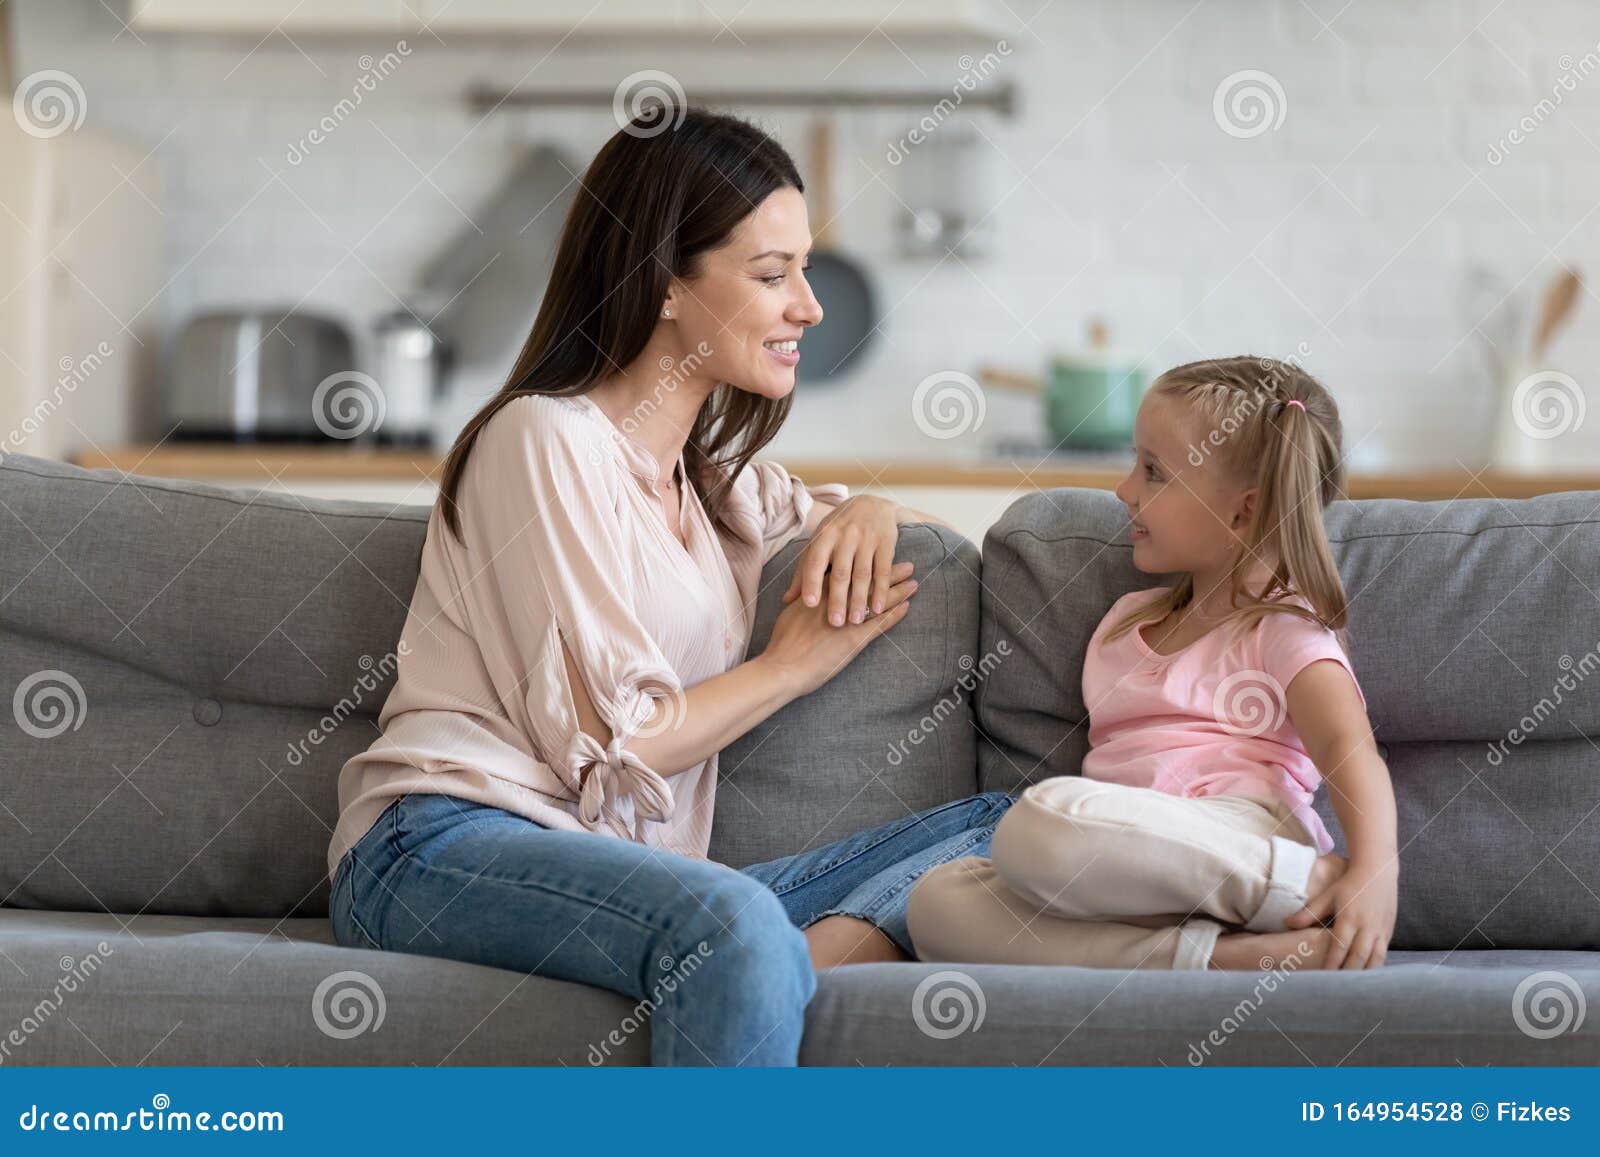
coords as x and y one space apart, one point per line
1292 455
655 199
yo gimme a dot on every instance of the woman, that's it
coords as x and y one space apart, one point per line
540 798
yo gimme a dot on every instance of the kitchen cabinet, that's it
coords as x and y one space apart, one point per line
80 256
855 18
558 17
263 16
860 17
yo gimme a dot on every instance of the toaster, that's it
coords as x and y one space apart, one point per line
253 375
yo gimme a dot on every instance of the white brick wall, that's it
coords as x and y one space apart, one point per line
1349 228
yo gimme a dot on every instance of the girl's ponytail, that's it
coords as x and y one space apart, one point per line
1300 472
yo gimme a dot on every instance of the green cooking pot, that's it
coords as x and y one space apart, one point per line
1090 402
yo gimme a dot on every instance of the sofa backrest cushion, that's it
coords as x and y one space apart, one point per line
1474 629
891 734
189 667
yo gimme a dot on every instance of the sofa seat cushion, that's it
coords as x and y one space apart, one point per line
185 990
1421 1008
202 990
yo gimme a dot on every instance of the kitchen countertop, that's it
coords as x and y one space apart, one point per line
267 461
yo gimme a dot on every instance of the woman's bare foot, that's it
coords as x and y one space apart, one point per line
1262 951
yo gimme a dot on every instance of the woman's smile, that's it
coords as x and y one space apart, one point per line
785 351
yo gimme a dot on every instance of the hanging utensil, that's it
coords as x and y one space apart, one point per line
841 285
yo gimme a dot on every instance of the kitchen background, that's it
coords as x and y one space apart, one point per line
1066 196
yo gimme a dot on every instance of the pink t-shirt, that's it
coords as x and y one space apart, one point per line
1211 719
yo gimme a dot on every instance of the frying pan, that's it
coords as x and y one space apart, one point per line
849 306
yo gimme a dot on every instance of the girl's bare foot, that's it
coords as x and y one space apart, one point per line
1263 951
841 939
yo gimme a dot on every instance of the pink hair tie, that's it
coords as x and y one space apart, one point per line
1296 402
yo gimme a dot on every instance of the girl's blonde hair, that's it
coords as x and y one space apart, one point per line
1292 455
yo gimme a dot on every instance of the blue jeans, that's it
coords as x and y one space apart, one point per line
717 953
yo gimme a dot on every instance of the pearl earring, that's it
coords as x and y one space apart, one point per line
666 313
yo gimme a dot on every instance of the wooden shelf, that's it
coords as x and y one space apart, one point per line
262 461
265 461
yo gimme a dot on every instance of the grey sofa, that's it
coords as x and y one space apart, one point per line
189 666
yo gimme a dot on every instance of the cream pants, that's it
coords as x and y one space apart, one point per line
1103 875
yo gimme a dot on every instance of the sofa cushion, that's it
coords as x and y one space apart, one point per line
188 666
96 989
1473 625
1421 1008
891 733
191 665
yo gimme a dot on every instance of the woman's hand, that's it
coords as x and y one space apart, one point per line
1362 902
809 652
855 545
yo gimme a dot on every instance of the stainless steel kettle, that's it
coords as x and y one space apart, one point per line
410 361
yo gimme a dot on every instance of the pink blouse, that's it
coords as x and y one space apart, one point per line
561 531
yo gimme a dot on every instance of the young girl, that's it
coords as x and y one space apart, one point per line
1216 706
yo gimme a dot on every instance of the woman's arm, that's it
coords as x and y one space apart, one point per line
803 653
688 727
1326 711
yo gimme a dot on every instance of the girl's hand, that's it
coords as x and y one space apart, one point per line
855 544
1362 903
